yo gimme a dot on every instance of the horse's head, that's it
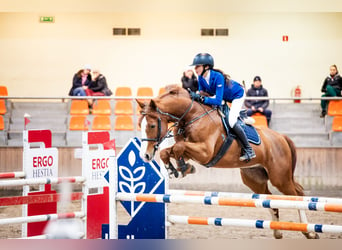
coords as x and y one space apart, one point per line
156 114
154 127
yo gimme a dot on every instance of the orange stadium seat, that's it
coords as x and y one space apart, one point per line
337 124
162 90
79 107
335 108
3 91
78 122
101 122
2 123
123 91
3 108
101 107
260 120
145 91
124 122
123 107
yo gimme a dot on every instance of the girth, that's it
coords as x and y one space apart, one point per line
226 144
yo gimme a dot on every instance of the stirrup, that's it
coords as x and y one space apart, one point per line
247 157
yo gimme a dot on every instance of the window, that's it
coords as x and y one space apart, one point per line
133 31
119 31
215 32
207 32
221 32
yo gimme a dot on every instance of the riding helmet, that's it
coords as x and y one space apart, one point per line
203 59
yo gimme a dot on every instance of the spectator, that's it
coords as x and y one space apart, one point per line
98 87
332 86
189 80
80 82
260 106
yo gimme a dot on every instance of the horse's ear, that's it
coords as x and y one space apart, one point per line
141 103
172 89
153 105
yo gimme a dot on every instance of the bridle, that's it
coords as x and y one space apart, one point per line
159 139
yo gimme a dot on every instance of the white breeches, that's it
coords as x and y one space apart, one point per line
235 109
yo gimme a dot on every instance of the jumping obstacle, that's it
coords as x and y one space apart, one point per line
221 201
128 185
40 167
141 188
257 224
255 196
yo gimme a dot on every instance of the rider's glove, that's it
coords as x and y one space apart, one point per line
197 97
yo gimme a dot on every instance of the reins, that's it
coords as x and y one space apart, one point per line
160 139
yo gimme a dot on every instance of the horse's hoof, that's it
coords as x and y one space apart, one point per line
190 169
277 234
311 235
172 171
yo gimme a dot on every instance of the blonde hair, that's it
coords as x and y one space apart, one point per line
334 65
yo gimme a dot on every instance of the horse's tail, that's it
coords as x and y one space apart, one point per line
299 188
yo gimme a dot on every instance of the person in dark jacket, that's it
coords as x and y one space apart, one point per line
98 87
260 106
189 80
332 86
80 82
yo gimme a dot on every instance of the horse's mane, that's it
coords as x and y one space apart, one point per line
175 89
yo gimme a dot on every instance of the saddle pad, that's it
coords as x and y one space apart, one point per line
251 134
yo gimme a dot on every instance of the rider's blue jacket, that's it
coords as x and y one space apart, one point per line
219 89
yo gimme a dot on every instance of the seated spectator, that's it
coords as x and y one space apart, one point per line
189 80
332 86
80 82
98 87
260 106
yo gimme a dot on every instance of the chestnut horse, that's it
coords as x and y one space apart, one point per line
199 134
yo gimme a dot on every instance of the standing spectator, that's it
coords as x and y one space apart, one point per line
80 82
332 86
260 106
189 80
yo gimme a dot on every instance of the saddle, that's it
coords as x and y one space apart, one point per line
250 131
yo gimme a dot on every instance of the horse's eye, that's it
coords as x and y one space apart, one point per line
153 126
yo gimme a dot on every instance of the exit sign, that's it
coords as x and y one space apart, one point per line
47 19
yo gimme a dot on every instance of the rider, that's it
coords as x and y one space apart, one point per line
221 88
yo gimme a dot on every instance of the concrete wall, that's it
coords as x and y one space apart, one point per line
39 59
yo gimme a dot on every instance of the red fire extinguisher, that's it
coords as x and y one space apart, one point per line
297 93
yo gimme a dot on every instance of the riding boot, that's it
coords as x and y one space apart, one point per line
248 152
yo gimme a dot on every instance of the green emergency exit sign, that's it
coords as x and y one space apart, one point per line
47 19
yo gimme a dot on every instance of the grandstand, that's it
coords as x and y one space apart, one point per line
300 121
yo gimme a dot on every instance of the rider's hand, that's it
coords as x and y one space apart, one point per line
197 97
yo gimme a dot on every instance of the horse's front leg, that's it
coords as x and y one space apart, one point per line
182 151
165 156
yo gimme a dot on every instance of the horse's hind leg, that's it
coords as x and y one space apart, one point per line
256 179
